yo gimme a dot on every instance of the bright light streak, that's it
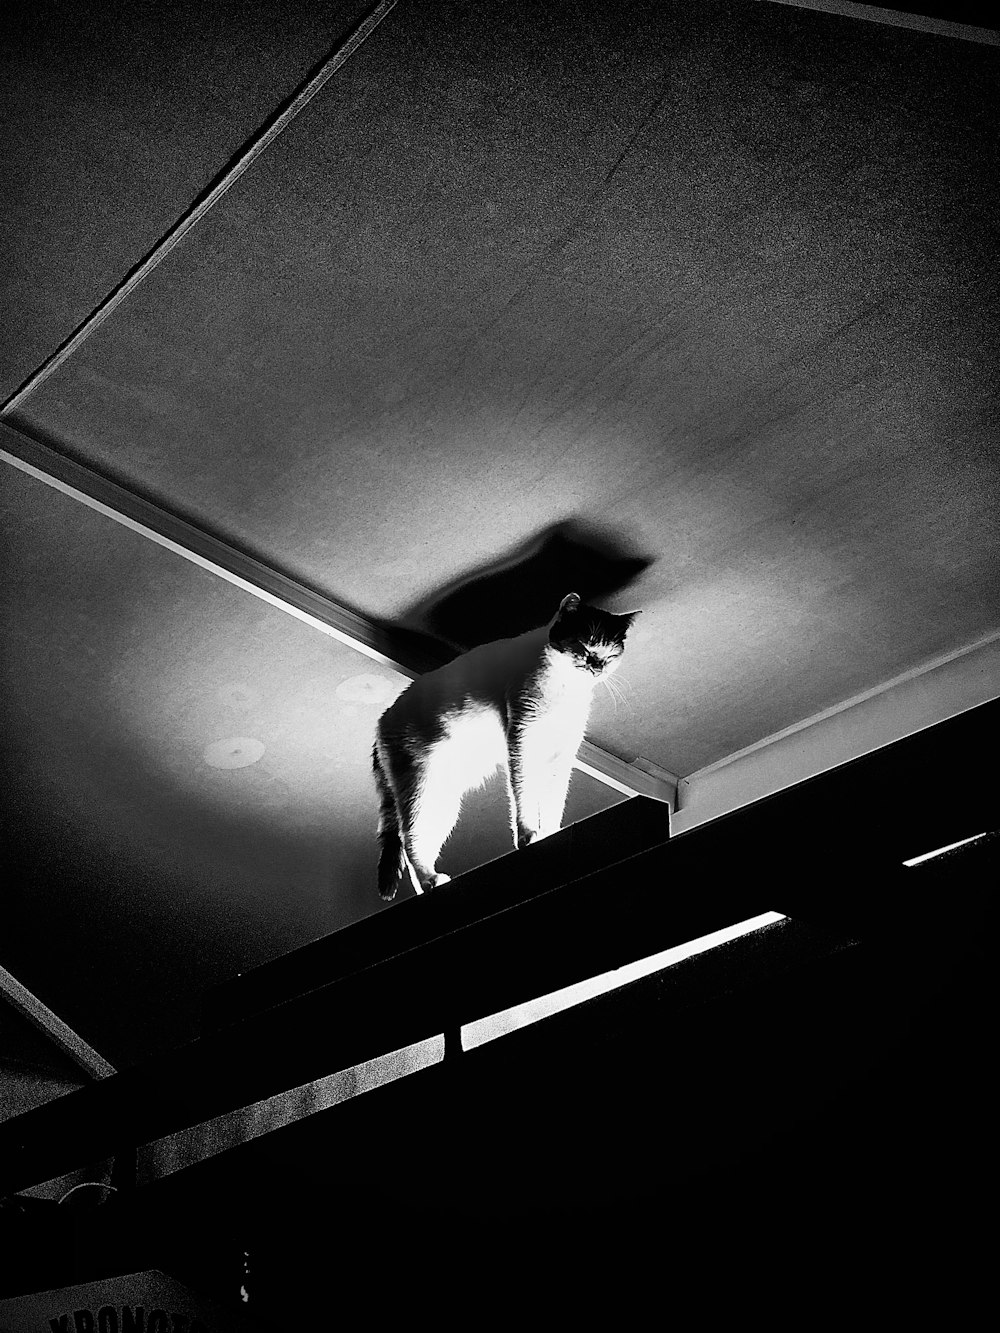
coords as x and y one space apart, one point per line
498 1025
199 1142
940 851
184 1148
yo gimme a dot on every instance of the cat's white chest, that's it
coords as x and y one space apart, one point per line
558 718
562 687
473 745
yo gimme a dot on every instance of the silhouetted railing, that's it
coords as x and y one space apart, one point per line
595 897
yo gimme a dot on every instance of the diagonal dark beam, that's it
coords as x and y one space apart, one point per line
551 915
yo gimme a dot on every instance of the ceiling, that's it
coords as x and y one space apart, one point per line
693 308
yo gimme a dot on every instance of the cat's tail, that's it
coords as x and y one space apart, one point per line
392 858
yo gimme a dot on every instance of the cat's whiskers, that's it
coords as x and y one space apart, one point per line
606 682
617 692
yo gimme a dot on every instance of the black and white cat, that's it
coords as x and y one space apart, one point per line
518 704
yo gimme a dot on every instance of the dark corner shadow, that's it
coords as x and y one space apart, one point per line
521 589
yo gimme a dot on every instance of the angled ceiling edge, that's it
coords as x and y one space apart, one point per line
88 487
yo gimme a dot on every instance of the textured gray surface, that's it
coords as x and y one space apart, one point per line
721 279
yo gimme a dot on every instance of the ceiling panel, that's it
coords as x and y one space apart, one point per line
189 776
115 118
720 278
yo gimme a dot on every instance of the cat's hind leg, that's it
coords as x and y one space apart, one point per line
392 857
431 814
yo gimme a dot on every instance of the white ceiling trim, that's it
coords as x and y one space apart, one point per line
931 693
79 483
194 545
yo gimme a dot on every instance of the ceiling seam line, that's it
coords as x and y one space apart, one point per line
201 205
19 449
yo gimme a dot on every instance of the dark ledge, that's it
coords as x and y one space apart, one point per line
600 895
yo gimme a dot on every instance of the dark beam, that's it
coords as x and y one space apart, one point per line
530 924
810 840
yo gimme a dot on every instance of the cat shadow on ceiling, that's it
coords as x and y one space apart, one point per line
520 590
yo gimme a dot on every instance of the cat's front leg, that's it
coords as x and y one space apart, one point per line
525 813
539 789
554 793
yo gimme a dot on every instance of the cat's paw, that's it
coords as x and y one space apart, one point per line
433 881
526 838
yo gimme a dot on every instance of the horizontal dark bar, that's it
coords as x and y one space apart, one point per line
777 949
868 803
547 933
605 839
488 967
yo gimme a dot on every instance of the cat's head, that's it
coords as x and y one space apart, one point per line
592 639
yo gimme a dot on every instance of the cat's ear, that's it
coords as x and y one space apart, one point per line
571 602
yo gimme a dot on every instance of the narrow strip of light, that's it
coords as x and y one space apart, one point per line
940 851
199 1142
496 1025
